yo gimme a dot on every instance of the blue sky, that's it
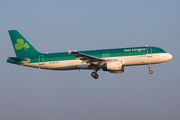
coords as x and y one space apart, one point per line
57 25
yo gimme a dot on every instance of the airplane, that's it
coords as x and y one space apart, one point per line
110 60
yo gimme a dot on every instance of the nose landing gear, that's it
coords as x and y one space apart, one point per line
150 71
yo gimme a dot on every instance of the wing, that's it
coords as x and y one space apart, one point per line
90 60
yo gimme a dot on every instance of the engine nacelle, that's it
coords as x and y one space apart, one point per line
115 65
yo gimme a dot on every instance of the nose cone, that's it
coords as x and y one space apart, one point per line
169 56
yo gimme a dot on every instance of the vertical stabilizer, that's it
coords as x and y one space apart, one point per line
21 46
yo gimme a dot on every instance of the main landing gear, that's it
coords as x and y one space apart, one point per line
150 71
94 74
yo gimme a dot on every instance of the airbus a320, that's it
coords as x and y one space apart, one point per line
110 60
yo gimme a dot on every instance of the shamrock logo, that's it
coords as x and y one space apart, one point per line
20 44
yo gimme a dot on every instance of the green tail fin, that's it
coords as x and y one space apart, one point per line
21 46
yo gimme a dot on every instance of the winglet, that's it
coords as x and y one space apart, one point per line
69 51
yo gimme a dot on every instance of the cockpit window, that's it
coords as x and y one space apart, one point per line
160 51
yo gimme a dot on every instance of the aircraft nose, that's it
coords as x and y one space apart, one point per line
169 56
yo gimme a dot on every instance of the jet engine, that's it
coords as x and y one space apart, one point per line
114 67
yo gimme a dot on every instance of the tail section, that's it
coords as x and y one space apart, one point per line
21 46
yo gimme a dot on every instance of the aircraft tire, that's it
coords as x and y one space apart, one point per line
96 76
151 72
93 74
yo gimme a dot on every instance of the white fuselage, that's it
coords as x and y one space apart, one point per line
126 61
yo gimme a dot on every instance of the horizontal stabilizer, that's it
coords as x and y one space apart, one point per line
20 59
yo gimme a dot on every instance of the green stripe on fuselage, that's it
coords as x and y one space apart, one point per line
118 52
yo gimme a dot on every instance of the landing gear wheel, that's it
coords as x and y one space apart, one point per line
93 74
151 72
96 76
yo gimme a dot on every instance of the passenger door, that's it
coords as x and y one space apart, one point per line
149 52
41 59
